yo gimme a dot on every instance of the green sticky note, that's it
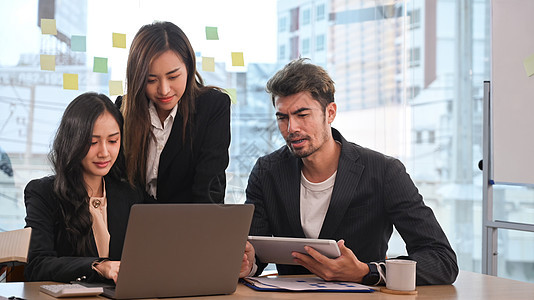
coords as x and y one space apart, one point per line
237 59
528 63
48 62
70 81
77 43
211 33
233 94
208 64
115 87
119 40
100 65
48 26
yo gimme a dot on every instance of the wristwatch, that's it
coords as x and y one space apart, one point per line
373 277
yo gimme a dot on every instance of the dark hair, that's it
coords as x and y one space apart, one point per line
71 145
149 42
300 76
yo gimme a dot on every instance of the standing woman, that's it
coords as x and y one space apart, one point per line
176 130
79 216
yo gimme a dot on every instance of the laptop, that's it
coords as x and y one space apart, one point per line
175 250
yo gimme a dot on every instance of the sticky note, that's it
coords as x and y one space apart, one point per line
119 40
233 94
48 62
208 64
115 87
48 26
237 59
528 63
211 33
100 65
77 43
70 81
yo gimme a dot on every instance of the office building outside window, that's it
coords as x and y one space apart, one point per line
401 87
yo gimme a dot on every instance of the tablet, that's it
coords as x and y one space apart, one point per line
278 249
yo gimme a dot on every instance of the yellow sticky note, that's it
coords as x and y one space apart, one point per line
48 26
233 94
208 64
115 87
237 59
528 63
70 81
48 62
119 40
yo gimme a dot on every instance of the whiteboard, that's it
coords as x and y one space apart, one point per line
512 91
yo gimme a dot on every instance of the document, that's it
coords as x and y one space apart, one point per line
303 284
14 245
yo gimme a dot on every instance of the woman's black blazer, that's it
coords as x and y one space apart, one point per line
51 256
192 170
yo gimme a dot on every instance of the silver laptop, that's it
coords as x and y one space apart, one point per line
174 250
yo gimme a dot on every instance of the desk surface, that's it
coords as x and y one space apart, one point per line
469 285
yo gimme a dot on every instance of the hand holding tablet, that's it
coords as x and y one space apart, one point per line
278 249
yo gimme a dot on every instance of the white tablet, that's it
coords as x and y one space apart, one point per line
278 249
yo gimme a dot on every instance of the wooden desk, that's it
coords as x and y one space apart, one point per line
469 285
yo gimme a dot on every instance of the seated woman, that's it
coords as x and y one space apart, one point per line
79 216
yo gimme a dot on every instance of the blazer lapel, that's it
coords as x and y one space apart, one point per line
289 189
348 176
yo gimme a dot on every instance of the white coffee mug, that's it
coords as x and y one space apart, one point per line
400 274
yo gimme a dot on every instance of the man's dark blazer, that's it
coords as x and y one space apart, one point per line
194 172
372 193
51 255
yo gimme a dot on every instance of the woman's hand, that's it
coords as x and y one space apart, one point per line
109 269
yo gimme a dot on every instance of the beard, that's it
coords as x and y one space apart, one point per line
307 150
301 153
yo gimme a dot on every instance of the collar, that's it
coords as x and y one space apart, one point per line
154 118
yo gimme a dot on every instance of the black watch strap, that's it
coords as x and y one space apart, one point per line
373 277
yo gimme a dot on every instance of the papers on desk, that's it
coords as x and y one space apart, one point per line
303 284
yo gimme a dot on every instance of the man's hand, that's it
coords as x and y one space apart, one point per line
248 260
346 267
109 269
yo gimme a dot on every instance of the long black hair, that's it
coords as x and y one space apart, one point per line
71 145
151 41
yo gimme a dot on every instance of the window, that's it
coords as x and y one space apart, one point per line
282 52
431 136
306 46
414 57
320 43
377 64
414 18
306 17
294 13
412 92
294 42
320 12
282 24
418 137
